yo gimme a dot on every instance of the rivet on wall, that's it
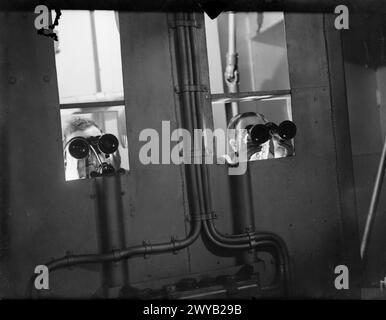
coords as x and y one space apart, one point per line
12 80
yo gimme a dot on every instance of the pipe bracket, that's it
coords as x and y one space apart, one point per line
203 217
251 241
184 23
117 255
69 259
173 241
191 88
148 249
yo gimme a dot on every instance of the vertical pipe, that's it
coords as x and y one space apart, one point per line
111 232
240 185
232 33
374 202
98 83
242 208
182 38
232 61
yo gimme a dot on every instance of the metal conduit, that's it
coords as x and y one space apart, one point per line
198 186
244 241
231 74
281 257
117 255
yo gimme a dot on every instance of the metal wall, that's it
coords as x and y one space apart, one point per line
298 198
365 74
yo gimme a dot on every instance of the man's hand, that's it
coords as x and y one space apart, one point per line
282 148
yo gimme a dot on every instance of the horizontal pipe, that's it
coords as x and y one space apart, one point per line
95 104
259 240
117 255
254 241
360 6
243 96
240 238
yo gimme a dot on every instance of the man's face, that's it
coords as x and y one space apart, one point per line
89 132
242 141
82 168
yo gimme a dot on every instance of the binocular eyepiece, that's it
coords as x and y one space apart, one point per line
79 147
260 133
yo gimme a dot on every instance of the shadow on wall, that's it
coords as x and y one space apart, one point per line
4 205
364 54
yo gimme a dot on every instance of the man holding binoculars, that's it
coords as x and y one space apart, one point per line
259 139
87 150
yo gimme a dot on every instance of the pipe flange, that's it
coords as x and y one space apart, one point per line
173 240
117 255
211 216
70 260
195 217
207 216
204 216
251 241
148 249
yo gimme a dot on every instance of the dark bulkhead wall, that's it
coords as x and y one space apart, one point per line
365 61
298 198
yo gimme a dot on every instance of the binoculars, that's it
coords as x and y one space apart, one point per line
261 133
79 147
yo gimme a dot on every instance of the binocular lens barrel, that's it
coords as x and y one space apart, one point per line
108 143
287 130
79 147
261 133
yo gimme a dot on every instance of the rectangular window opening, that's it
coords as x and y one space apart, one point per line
90 83
249 80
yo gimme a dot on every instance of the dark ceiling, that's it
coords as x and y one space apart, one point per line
196 5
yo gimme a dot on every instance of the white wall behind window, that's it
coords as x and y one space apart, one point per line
75 59
261 50
109 51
